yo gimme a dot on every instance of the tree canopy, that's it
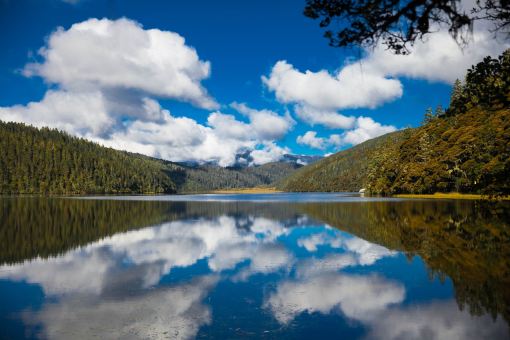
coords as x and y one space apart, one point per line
399 24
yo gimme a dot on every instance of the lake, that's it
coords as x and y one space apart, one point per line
275 266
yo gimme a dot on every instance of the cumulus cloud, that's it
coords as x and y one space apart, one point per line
356 296
371 81
346 88
328 118
317 96
266 124
177 312
121 54
437 320
310 139
364 128
437 58
109 75
269 152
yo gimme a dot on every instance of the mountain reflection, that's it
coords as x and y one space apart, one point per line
144 269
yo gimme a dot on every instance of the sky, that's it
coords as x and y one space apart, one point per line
204 81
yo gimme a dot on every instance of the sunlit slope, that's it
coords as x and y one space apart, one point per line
463 149
347 170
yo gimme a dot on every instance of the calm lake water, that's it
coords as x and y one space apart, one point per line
253 266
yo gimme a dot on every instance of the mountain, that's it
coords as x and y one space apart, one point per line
202 178
48 161
346 170
301 159
39 161
465 149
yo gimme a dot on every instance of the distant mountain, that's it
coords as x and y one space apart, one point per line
202 178
244 159
465 149
301 159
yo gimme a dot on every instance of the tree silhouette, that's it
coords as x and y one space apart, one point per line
398 24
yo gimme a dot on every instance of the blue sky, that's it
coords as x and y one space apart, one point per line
235 45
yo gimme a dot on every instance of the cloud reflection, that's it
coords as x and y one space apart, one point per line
113 288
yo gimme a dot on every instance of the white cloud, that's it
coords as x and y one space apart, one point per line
373 81
358 297
437 320
438 58
270 152
121 54
321 90
108 74
310 139
318 95
76 113
266 124
364 128
176 312
328 118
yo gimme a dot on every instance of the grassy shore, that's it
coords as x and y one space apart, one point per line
256 190
450 195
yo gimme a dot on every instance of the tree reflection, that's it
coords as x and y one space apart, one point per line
466 241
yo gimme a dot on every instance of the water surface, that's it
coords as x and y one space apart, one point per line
261 266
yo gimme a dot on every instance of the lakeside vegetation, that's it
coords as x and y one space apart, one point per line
450 195
464 149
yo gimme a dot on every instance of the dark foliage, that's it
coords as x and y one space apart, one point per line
48 161
400 23
487 86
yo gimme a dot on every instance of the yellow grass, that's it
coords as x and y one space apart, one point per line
451 195
257 190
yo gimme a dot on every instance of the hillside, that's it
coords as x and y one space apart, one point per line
212 177
48 161
465 149
346 170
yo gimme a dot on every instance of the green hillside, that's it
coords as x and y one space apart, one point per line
212 177
48 161
465 149
346 170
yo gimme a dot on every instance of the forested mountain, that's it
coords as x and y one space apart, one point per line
44 160
212 177
48 161
465 148
346 170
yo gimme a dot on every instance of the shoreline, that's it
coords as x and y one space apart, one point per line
256 190
452 195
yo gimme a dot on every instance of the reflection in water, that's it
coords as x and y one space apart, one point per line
150 269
